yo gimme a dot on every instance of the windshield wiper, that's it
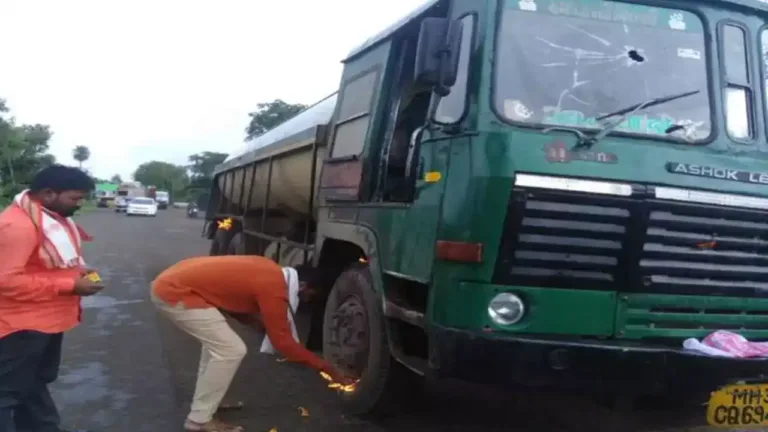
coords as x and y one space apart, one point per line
588 141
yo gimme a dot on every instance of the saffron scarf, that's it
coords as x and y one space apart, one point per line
60 242
292 285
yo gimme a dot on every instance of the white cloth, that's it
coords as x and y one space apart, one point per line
693 344
65 241
292 284
222 352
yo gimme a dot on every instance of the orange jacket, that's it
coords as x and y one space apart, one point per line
32 297
240 284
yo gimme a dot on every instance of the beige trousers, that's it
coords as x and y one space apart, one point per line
222 352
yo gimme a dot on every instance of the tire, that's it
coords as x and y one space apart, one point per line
235 246
219 243
382 378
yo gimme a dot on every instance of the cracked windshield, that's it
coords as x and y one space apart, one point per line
566 63
305 216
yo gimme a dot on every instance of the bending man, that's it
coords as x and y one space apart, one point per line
193 294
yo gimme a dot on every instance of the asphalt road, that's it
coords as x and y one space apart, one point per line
127 369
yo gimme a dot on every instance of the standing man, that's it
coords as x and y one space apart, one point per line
41 282
193 294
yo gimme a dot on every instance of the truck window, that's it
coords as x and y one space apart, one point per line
452 107
570 62
738 105
408 106
354 115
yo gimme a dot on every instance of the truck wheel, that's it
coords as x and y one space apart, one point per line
355 340
236 246
219 243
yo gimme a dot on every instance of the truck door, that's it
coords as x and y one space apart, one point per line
413 162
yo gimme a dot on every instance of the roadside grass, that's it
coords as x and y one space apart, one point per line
87 207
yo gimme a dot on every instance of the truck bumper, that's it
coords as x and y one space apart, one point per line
595 365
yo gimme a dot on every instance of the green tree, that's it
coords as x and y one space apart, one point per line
23 152
164 176
202 165
270 114
116 179
81 154
10 146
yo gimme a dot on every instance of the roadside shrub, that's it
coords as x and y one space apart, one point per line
7 192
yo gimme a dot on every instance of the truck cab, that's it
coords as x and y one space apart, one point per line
589 194
549 192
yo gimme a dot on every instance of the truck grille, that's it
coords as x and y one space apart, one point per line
691 249
635 245
564 241
660 316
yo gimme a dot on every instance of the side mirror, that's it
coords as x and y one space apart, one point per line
437 54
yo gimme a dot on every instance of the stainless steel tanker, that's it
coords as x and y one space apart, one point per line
289 145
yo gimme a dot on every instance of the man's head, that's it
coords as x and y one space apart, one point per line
61 189
307 281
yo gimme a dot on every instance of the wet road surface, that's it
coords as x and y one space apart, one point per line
126 369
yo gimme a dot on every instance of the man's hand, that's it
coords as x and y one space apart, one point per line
84 287
338 376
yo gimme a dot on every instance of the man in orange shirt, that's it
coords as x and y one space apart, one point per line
193 294
41 282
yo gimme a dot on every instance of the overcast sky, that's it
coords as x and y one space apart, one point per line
141 80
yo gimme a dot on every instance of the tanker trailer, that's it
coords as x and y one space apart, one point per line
267 189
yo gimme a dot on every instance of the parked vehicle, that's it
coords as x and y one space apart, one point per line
529 192
126 192
105 194
142 207
163 199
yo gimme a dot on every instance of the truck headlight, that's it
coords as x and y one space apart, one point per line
506 309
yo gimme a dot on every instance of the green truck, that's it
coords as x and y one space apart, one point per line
537 192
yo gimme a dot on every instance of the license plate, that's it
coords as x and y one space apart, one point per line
740 405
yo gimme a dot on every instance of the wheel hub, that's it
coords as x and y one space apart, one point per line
348 343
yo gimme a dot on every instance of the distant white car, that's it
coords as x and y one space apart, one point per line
142 207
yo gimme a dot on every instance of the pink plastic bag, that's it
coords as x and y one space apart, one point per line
736 344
